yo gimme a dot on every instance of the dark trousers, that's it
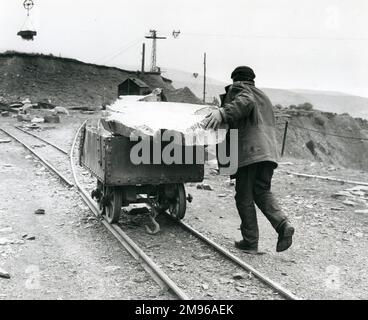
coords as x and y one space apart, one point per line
253 186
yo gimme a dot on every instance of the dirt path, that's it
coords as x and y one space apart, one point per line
72 255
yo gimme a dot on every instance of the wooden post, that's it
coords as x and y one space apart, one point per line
143 56
204 78
284 139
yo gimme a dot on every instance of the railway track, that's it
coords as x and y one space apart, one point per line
57 164
157 273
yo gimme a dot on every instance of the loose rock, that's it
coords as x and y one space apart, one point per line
201 256
111 269
238 276
205 286
349 203
204 187
5 241
337 209
38 120
341 194
40 211
4 274
361 211
6 230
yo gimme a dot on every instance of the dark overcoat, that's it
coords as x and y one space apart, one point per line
248 109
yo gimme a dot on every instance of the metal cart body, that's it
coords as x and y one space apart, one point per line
120 182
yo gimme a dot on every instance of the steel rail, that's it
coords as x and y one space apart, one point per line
44 161
270 283
311 176
157 274
43 140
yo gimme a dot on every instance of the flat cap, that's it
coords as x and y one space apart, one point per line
243 73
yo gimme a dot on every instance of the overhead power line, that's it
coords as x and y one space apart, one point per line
277 37
121 50
328 134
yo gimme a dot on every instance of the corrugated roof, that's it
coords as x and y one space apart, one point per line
138 82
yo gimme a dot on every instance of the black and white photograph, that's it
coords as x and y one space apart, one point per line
187 156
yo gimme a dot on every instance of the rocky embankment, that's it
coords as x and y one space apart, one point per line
340 140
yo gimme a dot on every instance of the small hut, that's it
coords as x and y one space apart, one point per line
133 87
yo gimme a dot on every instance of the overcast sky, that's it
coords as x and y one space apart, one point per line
315 44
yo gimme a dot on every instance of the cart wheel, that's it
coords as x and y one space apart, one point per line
178 204
114 204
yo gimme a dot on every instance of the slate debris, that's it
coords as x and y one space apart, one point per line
29 238
4 274
6 230
337 209
40 211
198 256
361 211
352 197
241 289
111 269
349 203
204 187
205 286
6 241
238 276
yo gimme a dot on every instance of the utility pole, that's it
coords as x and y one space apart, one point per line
154 37
204 78
143 56
284 138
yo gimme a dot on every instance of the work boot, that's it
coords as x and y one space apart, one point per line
285 237
245 247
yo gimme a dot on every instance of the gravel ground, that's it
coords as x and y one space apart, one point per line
200 271
328 259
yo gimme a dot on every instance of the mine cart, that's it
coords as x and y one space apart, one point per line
121 183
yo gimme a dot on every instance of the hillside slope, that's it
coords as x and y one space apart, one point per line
338 140
69 82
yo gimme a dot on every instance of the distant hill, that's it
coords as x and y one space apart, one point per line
327 101
334 102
